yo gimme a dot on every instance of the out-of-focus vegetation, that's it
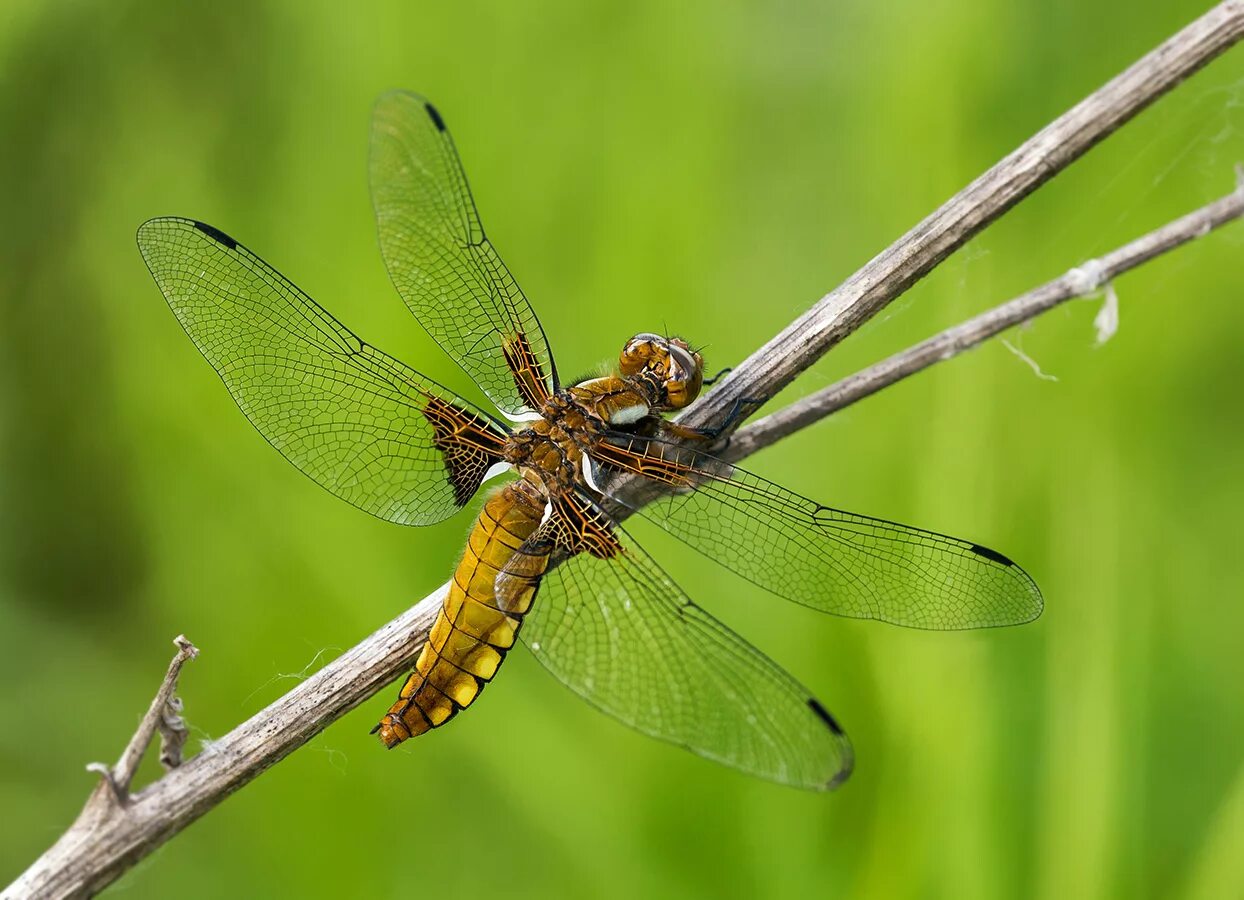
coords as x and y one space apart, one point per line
710 168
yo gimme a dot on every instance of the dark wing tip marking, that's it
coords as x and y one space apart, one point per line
840 776
992 554
848 758
434 116
823 714
216 234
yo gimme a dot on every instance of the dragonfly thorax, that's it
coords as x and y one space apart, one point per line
655 375
554 445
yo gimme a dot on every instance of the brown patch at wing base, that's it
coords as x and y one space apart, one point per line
653 460
582 528
468 442
526 369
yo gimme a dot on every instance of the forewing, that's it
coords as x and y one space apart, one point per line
360 423
620 633
834 561
442 264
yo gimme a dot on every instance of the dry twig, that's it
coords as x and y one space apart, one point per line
963 216
98 848
163 714
1081 281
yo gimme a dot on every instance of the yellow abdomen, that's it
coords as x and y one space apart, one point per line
479 621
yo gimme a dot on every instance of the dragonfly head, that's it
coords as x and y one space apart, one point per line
669 364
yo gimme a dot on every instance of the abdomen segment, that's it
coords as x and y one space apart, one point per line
478 622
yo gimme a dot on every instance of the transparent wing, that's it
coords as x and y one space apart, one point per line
834 561
442 264
363 425
621 634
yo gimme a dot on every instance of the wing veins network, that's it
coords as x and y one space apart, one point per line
439 256
323 322
467 275
355 420
621 634
831 560
760 499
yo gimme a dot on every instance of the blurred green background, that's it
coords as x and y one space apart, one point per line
709 167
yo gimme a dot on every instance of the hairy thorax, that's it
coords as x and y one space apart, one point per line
553 446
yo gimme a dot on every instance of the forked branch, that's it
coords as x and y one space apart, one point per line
963 216
164 715
99 847
1084 280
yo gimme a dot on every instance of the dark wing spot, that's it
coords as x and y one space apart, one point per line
823 714
468 445
991 554
435 116
216 234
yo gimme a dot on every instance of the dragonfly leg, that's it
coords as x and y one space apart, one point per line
737 412
716 378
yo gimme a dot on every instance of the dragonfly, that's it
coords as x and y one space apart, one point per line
547 563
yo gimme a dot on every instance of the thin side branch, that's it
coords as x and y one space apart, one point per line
164 708
1081 281
963 216
96 850
157 714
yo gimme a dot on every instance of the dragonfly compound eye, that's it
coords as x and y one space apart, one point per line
684 375
641 352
